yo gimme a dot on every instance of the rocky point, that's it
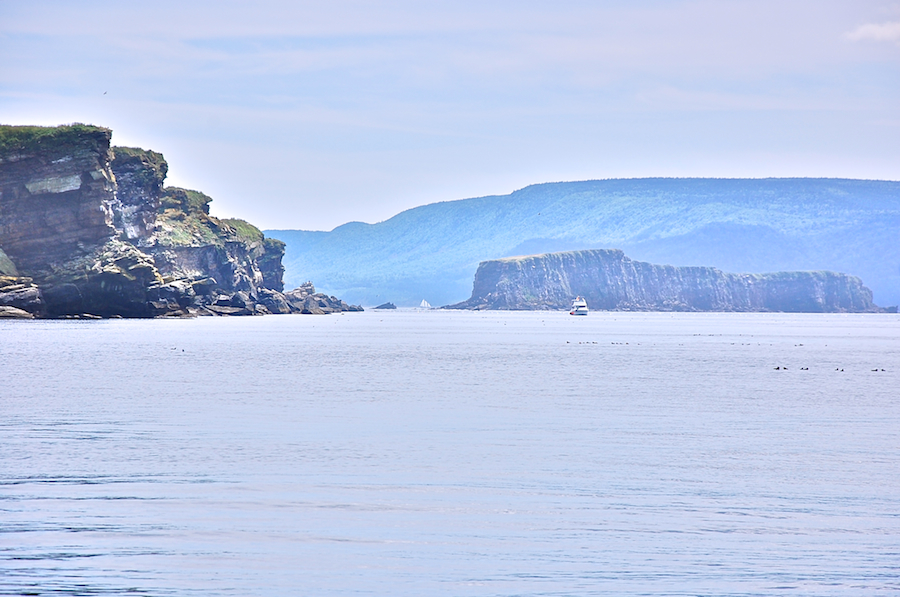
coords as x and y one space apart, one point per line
90 230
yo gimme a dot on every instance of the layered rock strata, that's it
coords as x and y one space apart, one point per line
609 280
19 297
87 230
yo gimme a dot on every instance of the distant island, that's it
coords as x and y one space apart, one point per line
735 225
87 231
609 280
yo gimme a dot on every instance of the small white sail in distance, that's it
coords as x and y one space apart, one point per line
424 305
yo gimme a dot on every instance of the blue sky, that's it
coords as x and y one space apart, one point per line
310 114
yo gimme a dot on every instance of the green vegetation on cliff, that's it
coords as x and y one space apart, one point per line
245 230
29 139
184 220
177 229
185 200
147 168
94 231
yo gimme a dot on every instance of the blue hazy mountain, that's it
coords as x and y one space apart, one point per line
736 225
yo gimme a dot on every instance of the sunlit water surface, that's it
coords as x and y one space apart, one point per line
451 453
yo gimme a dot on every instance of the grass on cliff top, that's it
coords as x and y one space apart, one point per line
178 229
195 229
245 230
151 158
275 245
184 220
15 139
186 200
148 168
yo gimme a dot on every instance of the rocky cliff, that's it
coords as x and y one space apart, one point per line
608 279
89 230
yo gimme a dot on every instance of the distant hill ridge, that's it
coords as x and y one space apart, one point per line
736 225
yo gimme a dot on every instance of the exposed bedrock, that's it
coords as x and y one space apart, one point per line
96 233
19 295
305 299
57 193
608 279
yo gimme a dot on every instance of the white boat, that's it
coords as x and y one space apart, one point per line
579 306
424 305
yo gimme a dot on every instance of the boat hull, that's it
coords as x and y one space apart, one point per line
579 306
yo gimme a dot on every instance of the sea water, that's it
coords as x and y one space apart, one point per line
451 453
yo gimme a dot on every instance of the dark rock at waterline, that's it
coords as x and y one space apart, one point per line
226 310
273 301
386 306
21 294
306 300
608 279
7 312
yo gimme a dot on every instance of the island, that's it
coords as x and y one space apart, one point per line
609 280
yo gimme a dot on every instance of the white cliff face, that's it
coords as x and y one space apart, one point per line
54 184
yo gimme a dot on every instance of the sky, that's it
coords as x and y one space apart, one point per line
307 115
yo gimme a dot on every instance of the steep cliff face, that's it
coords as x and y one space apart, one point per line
608 279
139 180
173 225
56 222
90 231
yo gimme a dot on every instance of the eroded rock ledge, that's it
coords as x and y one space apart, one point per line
609 280
87 230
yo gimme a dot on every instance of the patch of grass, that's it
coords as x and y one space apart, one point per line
274 246
137 152
185 199
175 228
149 168
245 230
31 139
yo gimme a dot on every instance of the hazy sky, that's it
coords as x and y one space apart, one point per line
311 114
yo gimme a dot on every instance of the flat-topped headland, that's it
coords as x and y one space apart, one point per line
90 230
609 280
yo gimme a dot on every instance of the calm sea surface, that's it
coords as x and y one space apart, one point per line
451 453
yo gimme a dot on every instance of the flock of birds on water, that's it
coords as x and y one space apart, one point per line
777 368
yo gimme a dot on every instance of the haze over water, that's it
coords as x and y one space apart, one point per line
452 453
